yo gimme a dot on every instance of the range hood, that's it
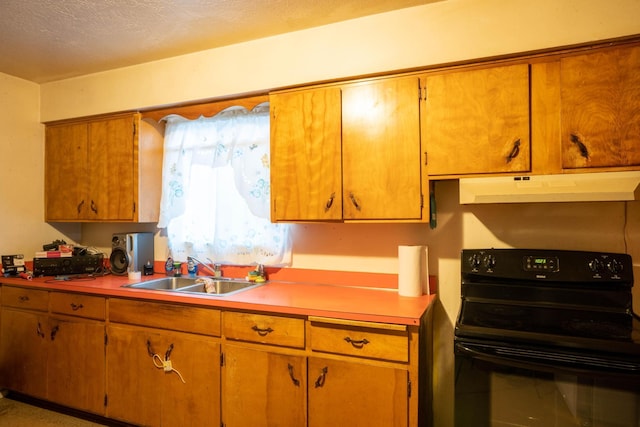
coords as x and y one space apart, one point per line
584 187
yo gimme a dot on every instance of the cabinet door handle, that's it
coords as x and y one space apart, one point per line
80 205
39 331
76 307
295 381
355 201
323 376
329 203
94 207
262 332
514 151
584 151
150 351
357 343
167 354
23 298
54 332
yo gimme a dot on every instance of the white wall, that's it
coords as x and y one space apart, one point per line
441 32
22 229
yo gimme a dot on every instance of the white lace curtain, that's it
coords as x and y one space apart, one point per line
215 190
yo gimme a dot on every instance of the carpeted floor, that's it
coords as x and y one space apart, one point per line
14 413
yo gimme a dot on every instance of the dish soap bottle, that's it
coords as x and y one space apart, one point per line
168 266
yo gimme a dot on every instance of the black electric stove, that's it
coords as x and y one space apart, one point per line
572 300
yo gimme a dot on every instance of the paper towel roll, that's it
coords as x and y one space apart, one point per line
412 277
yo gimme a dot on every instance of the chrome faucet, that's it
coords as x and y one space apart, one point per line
212 268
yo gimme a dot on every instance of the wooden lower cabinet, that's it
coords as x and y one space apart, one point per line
347 393
263 388
23 353
54 357
162 378
162 364
76 363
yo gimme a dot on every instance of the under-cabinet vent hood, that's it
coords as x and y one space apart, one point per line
584 187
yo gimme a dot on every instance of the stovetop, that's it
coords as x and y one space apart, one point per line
564 299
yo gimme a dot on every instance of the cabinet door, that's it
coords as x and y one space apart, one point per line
112 189
66 178
477 121
196 400
142 391
306 179
133 382
381 156
350 394
76 365
600 98
23 352
262 388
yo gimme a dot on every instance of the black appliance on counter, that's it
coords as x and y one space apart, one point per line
546 338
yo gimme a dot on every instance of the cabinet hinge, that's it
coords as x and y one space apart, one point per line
134 129
221 359
106 339
408 388
422 93
106 400
134 207
421 201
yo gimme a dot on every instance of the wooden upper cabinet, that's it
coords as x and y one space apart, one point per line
111 177
66 160
306 177
477 121
347 153
106 169
600 108
381 164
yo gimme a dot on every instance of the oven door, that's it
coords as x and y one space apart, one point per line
502 385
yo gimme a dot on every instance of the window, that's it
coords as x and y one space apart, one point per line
215 190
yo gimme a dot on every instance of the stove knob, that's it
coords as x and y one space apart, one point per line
596 265
614 266
474 261
489 261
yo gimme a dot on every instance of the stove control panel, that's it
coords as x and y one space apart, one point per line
548 265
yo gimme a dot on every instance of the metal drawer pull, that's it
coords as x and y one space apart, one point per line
355 201
322 377
23 298
54 332
295 381
329 203
150 351
76 307
584 151
262 332
39 331
357 343
514 151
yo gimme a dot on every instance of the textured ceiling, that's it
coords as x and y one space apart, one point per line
47 40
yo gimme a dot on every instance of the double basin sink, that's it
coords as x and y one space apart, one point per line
217 286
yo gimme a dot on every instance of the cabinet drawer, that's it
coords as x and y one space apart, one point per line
197 320
265 329
363 339
32 299
80 305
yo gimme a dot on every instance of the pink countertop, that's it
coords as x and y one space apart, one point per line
367 303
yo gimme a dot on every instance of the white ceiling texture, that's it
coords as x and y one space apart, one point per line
48 40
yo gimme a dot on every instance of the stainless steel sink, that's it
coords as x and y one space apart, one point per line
189 285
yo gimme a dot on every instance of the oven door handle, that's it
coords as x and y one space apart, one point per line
547 360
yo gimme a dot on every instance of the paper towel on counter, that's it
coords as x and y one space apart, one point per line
413 274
